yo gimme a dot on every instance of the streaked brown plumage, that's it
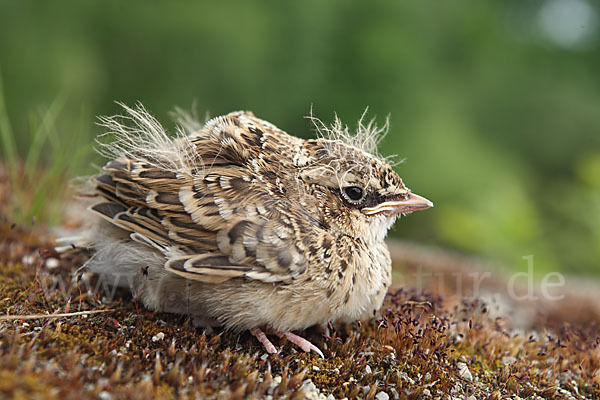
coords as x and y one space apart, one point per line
239 224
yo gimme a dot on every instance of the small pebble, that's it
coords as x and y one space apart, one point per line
52 263
158 336
382 396
104 395
463 371
28 260
309 391
508 360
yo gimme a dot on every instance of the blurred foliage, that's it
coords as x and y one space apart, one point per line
495 105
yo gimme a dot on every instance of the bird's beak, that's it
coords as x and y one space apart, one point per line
412 203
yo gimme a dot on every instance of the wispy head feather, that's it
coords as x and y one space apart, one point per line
189 121
138 135
366 138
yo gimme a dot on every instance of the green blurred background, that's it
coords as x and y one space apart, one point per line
495 105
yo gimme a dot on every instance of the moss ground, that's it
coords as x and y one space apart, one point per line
420 346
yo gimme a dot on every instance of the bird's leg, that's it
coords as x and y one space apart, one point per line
260 335
292 337
300 342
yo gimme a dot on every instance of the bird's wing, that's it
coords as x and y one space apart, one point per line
251 229
229 219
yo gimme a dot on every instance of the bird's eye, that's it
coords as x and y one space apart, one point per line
354 193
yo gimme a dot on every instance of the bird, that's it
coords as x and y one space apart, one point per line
238 224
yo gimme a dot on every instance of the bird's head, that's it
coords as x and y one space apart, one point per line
357 191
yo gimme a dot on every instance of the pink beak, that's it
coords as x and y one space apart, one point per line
413 202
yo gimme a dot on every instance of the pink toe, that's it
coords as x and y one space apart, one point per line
260 335
300 342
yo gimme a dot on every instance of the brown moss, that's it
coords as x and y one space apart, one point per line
417 347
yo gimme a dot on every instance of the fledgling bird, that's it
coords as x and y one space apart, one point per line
238 224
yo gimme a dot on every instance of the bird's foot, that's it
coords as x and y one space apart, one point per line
300 342
293 338
262 337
